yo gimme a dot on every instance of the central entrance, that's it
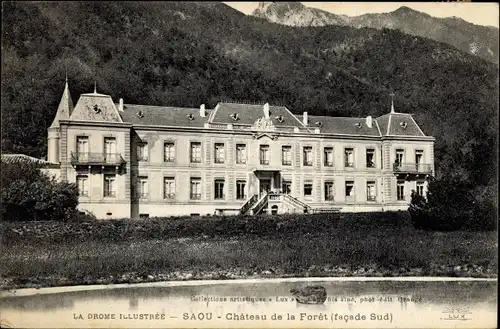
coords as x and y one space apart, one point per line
264 186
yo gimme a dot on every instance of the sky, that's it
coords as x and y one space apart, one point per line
477 13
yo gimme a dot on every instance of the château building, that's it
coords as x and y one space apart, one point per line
144 161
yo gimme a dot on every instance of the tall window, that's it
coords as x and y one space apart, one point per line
286 155
219 153
142 187
142 151
400 153
308 188
371 193
195 152
109 148
219 189
419 154
241 153
109 186
169 187
349 157
349 190
328 154
308 160
420 188
264 154
286 187
400 190
195 192
82 181
370 158
82 147
329 191
169 152
240 190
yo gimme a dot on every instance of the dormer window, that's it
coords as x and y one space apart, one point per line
358 125
319 123
190 117
140 114
403 124
279 118
96 109
234 116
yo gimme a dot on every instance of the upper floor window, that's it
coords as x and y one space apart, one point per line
219 189
370 158
328 153
109 186
195 152
241 153
286 155
142 187
308 161
400 154
82 146
240 190
142 151
349 157
109 146
169 152
264 154
419 155
219 153
329 191
169 187
371 193
195 189
82 181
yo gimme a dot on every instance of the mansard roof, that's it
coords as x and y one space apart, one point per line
150 115
95 107
342 125
64 109
248 114
398 124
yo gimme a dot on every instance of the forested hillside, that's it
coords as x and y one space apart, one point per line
185 54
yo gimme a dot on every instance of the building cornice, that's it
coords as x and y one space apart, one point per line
96 123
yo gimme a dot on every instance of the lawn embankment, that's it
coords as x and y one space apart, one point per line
55 253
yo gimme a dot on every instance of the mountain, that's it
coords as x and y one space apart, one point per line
189 53
474 39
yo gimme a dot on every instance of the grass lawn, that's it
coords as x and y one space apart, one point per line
344 248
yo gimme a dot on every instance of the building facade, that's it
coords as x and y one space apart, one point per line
144 161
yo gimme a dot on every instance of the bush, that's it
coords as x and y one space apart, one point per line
29 194
451 204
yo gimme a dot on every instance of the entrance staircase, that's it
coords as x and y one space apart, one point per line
285 202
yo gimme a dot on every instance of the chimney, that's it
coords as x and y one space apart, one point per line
202 110
266 110
304 119
120 107
369 121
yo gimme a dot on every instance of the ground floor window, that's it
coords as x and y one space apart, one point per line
109 186
329 193
219 189
286 187
349 189
308 188
420 188
169 188
195 192
400 190
240 190
82 181
370 191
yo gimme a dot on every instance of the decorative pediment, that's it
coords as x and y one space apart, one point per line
270 136
265 124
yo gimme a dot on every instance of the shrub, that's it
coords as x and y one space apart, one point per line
29 194
451 204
